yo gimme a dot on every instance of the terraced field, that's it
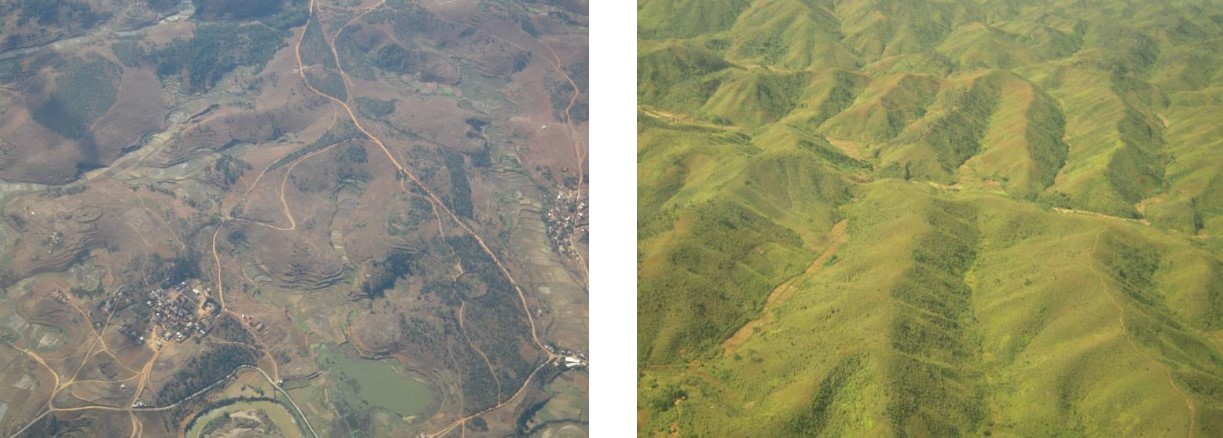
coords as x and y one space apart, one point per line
948 218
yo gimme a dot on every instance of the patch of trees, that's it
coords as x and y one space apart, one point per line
477 124
560 92
204 370
80 291
527 415
408 18
446 289
236 9
375 108
129 52
479 387
163 5
396 59
396 265
185 265
351 172
236 236
475 261
496 315
528 26
460 188
521 59
53 13
314 48
812 420
215 50
52 425
580 73
329 82
229 329
425 337
401 225
483 158
355 154
10 70
227 170
82 94
663 400
229 401
344 132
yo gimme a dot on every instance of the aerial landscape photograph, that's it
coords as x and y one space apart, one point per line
929 218
295 218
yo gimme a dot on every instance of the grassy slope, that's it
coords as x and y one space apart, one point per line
949 312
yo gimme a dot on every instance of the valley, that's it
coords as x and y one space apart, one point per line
950 218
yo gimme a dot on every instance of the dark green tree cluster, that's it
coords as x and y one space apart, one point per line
396 265
375 108
460 188
215 50
395 58
228 169
204 370
52 12
229 329
814 418
236 9
83 94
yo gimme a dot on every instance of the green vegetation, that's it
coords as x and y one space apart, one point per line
396 265
52 13
226 171
342 133
906 218
503 336
219 413
236 9
396 59
375 108
204 370
403 224
87 88
314 48
213 51
460 188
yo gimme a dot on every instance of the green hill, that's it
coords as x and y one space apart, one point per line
930 218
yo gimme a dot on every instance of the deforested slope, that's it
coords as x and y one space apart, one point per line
944 218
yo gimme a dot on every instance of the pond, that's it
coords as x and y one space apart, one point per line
379 383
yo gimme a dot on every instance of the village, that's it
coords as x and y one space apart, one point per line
566 217
177 313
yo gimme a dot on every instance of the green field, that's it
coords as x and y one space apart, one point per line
947 218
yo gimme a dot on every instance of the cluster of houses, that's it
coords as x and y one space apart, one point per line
177 313
251 322
569 358
567 216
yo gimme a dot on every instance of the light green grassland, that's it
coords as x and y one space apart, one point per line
1033 199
